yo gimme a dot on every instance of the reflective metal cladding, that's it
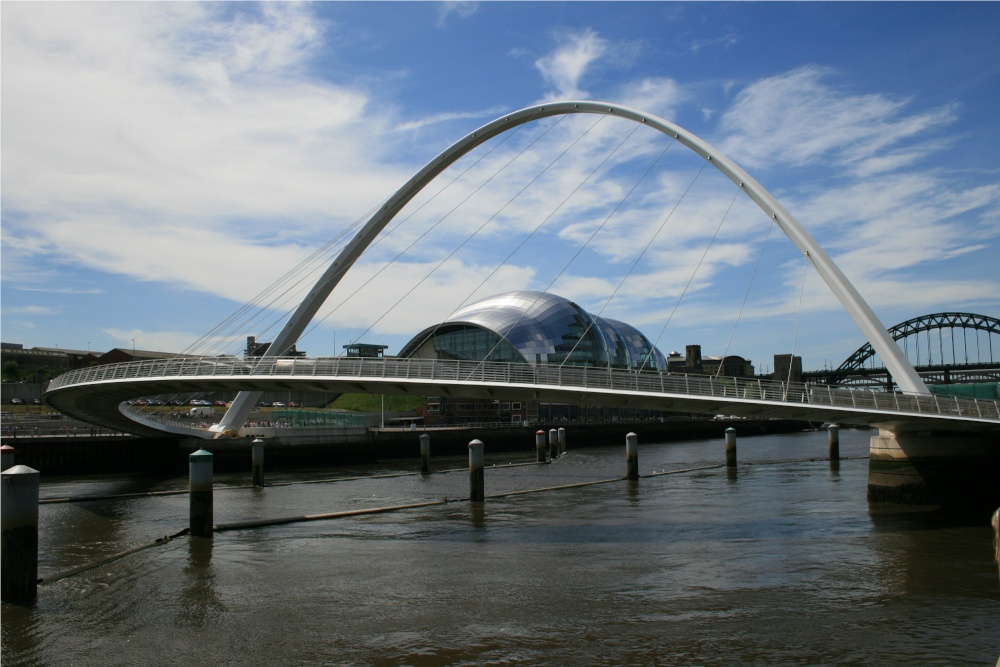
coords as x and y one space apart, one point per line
537 328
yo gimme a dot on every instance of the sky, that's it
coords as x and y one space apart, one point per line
164 164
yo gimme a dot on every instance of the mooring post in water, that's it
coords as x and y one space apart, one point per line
553 443
730 447
19 540
7 457
200 492
632 456
477 477
425 452
562 441
257 449
834 431
540 446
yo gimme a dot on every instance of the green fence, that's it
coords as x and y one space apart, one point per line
986 390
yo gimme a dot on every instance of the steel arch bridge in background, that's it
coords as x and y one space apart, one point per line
926 323
929 353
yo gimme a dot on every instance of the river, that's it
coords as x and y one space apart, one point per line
784 562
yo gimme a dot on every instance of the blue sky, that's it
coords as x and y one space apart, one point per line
163 163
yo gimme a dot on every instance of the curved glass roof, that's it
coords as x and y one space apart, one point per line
543 329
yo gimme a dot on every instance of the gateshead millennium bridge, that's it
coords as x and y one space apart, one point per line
913 423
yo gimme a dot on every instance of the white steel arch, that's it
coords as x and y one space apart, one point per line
873 330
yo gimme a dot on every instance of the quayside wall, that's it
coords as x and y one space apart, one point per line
85 454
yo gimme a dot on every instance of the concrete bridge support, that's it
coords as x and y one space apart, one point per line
935 469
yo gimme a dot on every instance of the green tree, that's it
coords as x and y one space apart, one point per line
11 371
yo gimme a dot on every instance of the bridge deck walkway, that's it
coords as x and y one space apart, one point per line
95 393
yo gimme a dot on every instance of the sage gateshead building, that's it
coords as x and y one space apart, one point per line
535 328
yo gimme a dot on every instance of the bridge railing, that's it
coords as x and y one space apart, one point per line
523 374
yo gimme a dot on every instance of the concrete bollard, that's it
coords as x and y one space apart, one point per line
730 447
425 453
834 433
553 443
200 492
562 441
477 477
540 446
19 534
632 456
257 449
7 457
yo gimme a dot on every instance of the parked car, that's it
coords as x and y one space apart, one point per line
276 404
16 401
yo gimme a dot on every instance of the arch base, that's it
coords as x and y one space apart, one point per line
934 469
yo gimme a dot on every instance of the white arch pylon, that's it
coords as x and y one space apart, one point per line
873 330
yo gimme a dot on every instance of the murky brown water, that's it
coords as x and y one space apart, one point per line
785 564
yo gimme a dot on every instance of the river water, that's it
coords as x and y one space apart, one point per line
783 563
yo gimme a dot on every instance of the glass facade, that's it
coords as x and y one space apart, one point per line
536 328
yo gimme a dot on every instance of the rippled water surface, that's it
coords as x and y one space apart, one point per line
783 563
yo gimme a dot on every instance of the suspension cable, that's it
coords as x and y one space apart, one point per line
523 242
307 268
590 238
492 217
746 295
507 137
700 260
795 331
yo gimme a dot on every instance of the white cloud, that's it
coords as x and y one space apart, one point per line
192 144
149 340
487 114
30 310
660 96
563 68
136 132
796 119
725 41
459 9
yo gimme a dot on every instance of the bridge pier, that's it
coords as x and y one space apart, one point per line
934 469
425 453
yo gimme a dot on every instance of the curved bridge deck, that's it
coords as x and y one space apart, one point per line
96 394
